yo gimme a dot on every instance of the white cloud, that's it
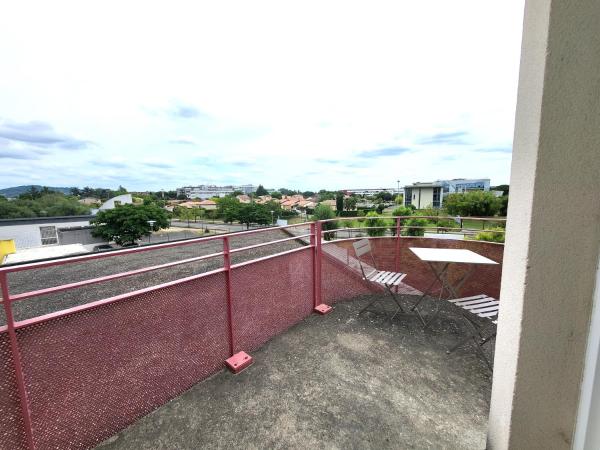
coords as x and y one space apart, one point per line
258 91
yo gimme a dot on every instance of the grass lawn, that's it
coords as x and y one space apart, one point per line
478 224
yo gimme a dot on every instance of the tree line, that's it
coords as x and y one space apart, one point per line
41 203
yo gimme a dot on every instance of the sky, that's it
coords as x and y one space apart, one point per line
304 94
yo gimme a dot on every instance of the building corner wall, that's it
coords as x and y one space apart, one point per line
552 241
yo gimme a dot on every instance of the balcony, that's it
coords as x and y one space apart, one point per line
95 343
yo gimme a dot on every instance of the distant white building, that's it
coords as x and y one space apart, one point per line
125 199
37 232
431 194
206 191
40 231
370 192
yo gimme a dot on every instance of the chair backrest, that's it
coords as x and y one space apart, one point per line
362 247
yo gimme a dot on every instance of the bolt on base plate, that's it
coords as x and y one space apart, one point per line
239 362
323 309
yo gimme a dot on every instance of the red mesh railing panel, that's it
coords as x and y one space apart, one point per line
92 373
340 279
12 434
270 296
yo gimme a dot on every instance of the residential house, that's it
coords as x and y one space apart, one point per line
244 198
190 204
330 203
209 205
261 200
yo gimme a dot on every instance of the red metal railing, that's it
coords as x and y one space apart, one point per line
66 373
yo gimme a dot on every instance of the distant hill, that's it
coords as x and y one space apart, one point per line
15 191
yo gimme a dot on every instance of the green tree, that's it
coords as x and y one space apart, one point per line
373 220
399 200
501 187
184 214
407 229
474 203
260 190
339 201
13 210
276 195
324 212
119 191
402 211
350 203
383 196
490 236
503 208
228 209
126 224
250 213
326 195
285 191
42 202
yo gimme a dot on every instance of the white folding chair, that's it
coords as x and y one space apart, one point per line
482 307
381 277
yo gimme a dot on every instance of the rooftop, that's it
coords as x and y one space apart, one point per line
334 381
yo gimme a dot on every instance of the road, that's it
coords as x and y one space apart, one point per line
227 227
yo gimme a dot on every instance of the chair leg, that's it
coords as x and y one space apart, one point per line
483 355
366 308
493 335
476 331
395 299
461 343
400 309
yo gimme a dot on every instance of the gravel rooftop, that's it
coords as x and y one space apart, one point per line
57 275
339 381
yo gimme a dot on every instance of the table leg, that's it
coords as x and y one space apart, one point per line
428 291
452 291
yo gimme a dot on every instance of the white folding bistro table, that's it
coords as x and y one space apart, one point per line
440 260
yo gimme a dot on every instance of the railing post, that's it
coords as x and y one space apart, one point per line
319 306
240 360
313 245
16 357
227 267
319 250
397 255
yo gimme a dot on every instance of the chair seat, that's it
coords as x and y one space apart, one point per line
479 305
386 278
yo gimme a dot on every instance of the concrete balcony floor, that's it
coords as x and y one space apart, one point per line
335 381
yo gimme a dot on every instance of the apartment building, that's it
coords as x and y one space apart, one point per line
431 194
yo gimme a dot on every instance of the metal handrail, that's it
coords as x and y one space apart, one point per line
145 248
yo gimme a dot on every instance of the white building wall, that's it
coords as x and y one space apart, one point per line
549 269
28 235
124 199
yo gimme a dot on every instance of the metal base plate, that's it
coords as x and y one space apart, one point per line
323 309
239 362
